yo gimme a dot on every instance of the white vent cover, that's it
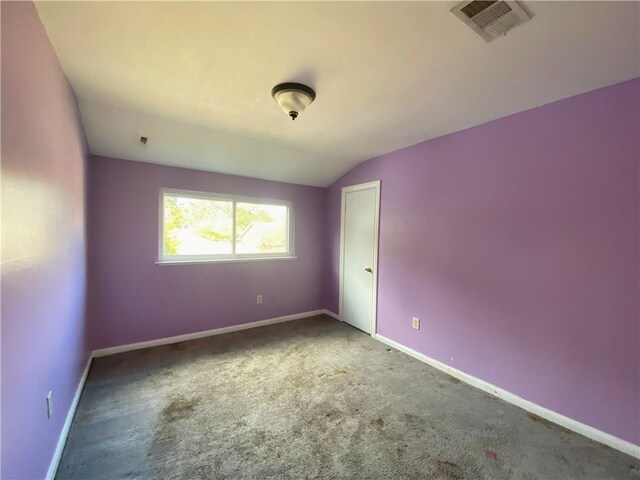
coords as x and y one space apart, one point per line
490 19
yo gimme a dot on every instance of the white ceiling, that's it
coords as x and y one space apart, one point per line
196 77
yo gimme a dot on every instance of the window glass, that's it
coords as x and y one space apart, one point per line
201 226
194 226
261 228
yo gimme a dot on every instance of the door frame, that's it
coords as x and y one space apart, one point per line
376 229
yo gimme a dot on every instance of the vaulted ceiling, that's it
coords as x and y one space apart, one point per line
195 78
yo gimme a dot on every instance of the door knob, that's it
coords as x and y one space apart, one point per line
368 269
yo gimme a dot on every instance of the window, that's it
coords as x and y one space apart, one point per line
198 226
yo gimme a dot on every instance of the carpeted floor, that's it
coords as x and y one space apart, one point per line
316 399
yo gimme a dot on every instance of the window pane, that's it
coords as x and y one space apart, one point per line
195 226
261 228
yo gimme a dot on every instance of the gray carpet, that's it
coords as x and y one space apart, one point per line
313 398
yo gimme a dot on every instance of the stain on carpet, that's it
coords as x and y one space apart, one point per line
448 470
179 408
378 422
546 423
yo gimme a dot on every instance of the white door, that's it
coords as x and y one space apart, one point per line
359 255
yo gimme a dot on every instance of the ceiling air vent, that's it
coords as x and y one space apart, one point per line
490 19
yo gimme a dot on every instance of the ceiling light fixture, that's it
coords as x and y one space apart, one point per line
293 98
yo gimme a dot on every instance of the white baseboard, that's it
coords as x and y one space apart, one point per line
62 439
329 313
578 427
207 333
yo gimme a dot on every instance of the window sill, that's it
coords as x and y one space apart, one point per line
167 263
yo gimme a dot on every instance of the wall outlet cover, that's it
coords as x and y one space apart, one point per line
415 323
49 405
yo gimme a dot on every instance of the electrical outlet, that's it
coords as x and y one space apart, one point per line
259 300
415 323
49 405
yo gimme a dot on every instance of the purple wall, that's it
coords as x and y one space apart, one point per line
43 244
131 299
516 243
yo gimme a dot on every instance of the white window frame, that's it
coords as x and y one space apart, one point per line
233 257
